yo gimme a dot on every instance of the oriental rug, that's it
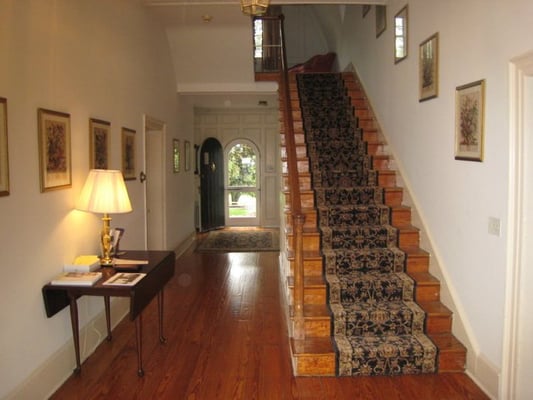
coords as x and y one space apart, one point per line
240 240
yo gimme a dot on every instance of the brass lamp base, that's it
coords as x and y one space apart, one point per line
105 238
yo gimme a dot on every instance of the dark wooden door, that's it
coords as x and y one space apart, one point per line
211 185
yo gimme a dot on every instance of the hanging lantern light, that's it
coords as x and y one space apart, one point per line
254 7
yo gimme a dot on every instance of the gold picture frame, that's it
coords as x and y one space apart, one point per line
428 68
99 133
54 150
187 154
366 9
4 154
176 155
400 35
128 154
470 121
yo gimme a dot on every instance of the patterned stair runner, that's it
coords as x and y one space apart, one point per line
378 329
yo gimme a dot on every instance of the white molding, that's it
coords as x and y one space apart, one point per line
519 69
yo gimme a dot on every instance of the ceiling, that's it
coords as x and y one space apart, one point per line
172 13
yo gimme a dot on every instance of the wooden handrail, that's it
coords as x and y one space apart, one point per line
298 218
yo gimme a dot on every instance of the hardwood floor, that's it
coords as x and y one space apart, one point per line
227 339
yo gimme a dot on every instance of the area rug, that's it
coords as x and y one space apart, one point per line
227 241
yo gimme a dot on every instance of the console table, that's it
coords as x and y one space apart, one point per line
159 271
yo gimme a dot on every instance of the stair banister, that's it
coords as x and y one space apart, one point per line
298 218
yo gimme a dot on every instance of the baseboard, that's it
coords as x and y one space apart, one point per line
485 375
185 244
51 374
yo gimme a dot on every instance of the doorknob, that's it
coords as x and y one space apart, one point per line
142 176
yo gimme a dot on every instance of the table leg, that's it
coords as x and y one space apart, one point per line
108 317
75 331
139 339
160 297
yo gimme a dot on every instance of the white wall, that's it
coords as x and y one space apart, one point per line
90 58
454 198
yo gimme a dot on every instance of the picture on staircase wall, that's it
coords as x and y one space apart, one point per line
469 121
128 154
428 68
381 19
99 133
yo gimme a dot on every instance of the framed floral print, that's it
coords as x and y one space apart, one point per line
428 68
54 149
4 156
128 154
469 121
99 133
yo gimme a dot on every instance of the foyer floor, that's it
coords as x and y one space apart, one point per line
227 339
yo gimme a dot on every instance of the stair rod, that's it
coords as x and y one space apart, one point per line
298 218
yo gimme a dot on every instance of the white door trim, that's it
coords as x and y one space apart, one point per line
153 126
520 69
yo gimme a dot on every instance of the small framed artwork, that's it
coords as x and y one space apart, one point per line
187 150
176 155
128 154
99 133
4 159
469 121
54 150
428 68
381 19
366 9
400 35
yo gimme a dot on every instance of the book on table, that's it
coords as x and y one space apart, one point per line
85 263
77 278
125 279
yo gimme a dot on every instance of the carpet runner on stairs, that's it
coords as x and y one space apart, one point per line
378 329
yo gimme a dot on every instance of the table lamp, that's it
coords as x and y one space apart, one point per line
104 192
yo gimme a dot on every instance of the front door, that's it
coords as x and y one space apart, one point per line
211 185
242 184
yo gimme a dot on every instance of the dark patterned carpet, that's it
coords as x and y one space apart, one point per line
240 240
377 328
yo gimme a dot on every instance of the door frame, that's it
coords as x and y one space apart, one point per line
243 221
154 126
520 73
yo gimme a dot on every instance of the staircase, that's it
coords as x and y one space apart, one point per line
337 267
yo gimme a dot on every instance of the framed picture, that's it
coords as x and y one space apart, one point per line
187 150
469 121
428 68
176 155
54 149
128 154
381 19
366 9
99 133
4 158
400 35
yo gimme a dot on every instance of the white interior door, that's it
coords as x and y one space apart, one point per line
155 184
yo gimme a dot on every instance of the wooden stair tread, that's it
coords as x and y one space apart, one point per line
307 254
435 308
414 251
313 311
424 278
309 281
313 345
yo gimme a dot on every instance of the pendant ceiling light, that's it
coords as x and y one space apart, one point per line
254 7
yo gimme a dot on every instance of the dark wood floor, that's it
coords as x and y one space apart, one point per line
227 340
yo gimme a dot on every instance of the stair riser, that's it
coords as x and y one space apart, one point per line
299 137
303 180
452 361
387 179
301 152
318 328
302 166
427 292
313 295
401 217
314 365
370 134
380 163
307 199
310 219
311 267
417 264
310 242
393 197
439 324
408 239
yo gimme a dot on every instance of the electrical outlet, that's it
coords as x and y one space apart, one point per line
494 226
